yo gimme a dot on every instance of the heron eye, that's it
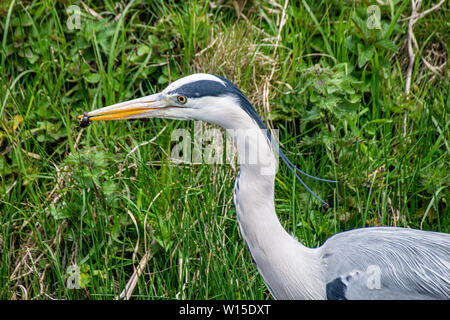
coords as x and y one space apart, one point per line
181 99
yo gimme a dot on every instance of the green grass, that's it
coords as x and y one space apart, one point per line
89 197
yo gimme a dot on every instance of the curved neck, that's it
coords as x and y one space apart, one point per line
288 268
254 191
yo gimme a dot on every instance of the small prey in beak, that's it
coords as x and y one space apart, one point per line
84 121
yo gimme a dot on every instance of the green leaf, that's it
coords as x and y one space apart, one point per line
330 102
109 188
100 159
361 27
313 114
59 213
5 169
354 98
143 49
92 78
386 44
29 54
162 79
364 54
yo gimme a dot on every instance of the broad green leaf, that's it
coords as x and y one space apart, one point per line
143 49
92 77
364 54
386 44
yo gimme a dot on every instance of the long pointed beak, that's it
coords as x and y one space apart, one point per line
133 109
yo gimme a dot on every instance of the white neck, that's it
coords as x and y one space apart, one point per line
288 268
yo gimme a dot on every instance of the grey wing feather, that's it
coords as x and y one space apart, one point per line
387 263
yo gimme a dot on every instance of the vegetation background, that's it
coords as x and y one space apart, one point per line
358 93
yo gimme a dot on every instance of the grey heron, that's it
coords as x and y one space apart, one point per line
365 263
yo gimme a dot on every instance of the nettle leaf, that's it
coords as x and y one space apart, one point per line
22 20
354 98
352 43
336 82
92 77
109 188
347 87
31 56
312 139
361 26
105 31
143 50
80 44
314 97
365 53
59 213
387 44
349 107
330 102
312 114
333 89
101 159
140 54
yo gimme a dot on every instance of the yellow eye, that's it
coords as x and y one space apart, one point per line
181 99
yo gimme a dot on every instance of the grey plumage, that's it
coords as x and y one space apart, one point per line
367 263
410 264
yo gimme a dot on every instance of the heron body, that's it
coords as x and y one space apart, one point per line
366 263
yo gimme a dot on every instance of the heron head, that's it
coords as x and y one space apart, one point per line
199 96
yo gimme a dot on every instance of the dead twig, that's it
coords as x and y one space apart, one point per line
423 13
131 284
91 11
412 42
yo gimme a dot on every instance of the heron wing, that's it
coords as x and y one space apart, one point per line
387 263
